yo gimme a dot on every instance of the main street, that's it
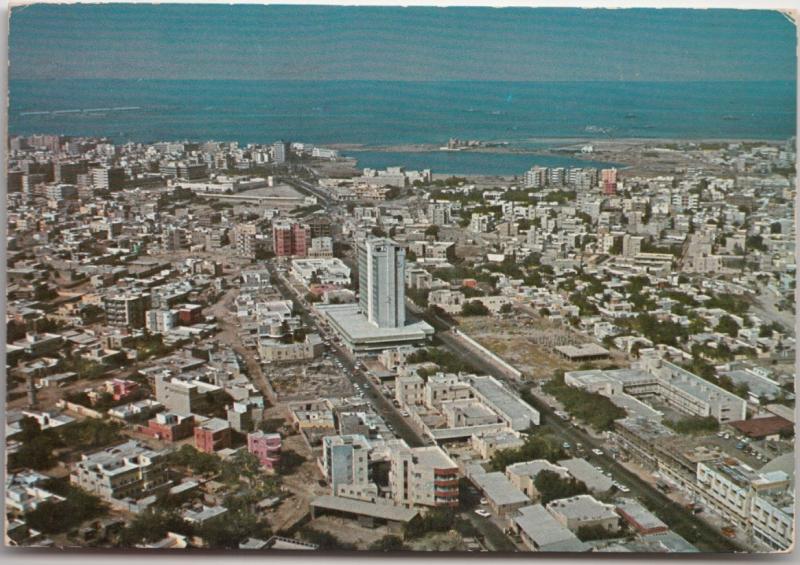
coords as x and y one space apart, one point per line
383 406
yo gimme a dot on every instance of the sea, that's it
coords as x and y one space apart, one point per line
376 114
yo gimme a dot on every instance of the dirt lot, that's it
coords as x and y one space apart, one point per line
527 344
349 531
303 484
312 380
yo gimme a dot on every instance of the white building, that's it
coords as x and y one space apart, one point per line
423 476
330 271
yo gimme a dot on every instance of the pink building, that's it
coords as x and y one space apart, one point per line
608 179
267 447
290 239
122 388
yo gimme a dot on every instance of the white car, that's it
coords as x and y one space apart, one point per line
623 488
404 413
483 513
597 451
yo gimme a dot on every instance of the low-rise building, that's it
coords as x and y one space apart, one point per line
584 510
128 470
540 531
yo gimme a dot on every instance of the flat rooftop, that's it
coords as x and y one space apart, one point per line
503 400
544 530
363 508
433 456
499 489
582 507
357 329
582 470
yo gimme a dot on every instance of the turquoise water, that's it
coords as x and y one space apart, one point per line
391 76
389 113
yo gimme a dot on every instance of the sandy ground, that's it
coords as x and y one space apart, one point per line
516 342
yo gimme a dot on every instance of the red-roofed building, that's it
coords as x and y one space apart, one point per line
770 427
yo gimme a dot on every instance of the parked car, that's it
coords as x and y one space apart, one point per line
597 451
483 513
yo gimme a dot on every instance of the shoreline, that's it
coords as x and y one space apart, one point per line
518 147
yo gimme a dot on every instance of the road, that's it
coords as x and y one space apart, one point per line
229 336
382 405
698 532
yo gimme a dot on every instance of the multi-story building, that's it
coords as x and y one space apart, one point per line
127 310
439 213
280 151
762 503
671 384
608 181
423 476
321 247
129 470
170 427
266 447
290 239
161 321
212 435
345 460
381 269
107 178
62 191
244 240
537 177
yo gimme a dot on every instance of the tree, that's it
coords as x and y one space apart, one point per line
594 409
432 231
435 520
538 446
324 540
199 462
728 325
152 525
90 433
474 308
694 425
506 308
57 517
289 462
388 543
377 231
552 486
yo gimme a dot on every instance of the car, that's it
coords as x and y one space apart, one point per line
566 445
623 488
483 513
720 434
740 445
597 451
405 414
484 501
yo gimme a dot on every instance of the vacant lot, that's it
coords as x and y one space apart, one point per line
528 344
